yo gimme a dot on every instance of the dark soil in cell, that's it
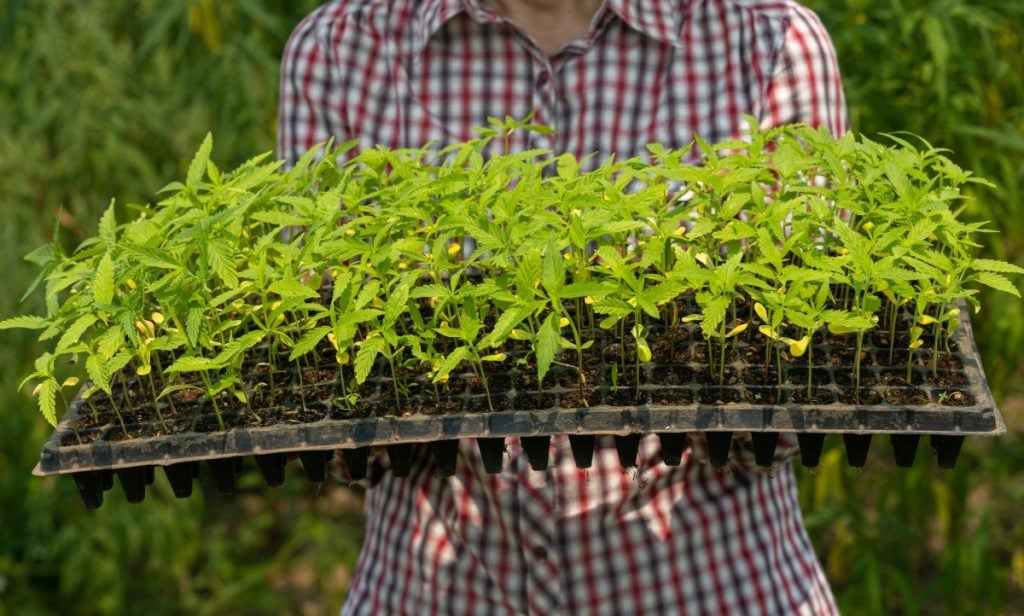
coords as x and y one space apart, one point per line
862 397
953 398
764 395
906 396
817 396
672 397
671 375
719 395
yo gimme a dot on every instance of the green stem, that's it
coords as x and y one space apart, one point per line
213 398
156 405
856 365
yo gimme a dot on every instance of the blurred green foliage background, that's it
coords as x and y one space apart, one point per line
101 99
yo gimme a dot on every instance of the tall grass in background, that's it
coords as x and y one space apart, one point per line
101 99
920 541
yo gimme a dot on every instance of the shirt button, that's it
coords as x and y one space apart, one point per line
542 79
539 552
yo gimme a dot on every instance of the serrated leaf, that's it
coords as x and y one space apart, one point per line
194 364
151 257
396 303
997 282
222 262
198 165
590 288
103 281
48 400
451 361
74 333
280 219
194 324
548 337
96 368
846 320
506 323
108 227
308 342
289 288
714 314
368 351
433 291
25 322
239 345
991 265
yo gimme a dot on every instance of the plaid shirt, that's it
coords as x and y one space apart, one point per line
653 540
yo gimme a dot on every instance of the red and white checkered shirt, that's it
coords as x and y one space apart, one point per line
653 540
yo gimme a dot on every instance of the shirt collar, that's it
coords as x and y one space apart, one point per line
654 18
658 19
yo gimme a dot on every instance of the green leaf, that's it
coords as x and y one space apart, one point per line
997 282
367 354
239 345
553 269
151 257
590 288
74 333
548 338
96 368
289 288
197 167
108 227
507 322
395 305
24 322
991 265
194 321
103 281
308 342
48 400
451 362
222 261
280 219
194 364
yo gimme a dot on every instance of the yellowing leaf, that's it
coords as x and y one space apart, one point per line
494 357
692 317
839 330
766 330
643 351
143 370
563 322
797 348
518 334
71 381
739 329
927 320
917 343
761 312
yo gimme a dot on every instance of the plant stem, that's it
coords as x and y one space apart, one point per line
213 398
156 405
856 365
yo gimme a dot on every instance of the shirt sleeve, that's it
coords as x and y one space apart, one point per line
805 85
306 115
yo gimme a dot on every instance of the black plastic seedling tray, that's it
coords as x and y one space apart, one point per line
961 405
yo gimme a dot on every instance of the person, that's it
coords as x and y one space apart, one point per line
609 77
